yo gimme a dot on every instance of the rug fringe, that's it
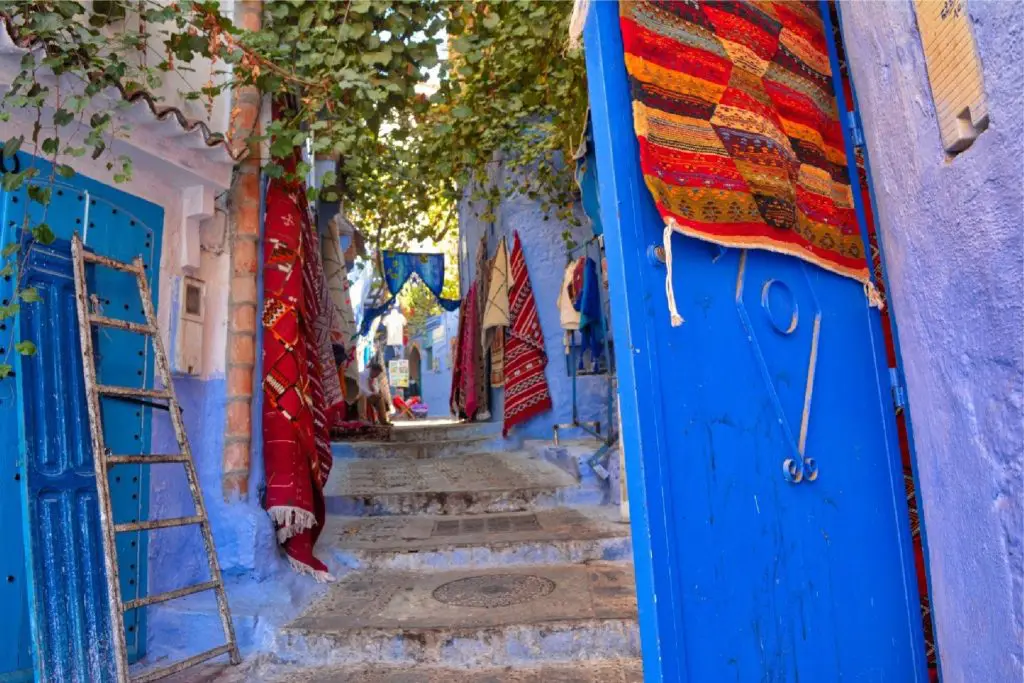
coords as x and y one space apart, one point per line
319 575
290 520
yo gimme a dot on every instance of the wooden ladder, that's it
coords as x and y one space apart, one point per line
103 459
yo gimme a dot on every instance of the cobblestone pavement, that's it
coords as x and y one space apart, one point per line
431 532
474 598
458 474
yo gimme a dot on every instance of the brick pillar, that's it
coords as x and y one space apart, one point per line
244 235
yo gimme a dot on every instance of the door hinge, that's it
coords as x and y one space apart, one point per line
856 131
899 394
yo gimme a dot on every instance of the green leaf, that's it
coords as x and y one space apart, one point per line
25 348
65 171
12 146
30 295
39 194
10 250
462 112
5 370
43 234
492 20
62 117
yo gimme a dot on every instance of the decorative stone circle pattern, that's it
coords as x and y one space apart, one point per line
494 590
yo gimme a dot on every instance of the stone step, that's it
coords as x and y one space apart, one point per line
612 671
555 536
415 450
465 484
443 430
512 616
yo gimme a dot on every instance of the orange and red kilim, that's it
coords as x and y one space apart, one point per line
740 142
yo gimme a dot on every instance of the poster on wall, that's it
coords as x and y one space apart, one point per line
398 373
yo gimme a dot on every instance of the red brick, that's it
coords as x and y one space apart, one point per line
239 382
244 257
243 349
243 318
239 419
243 289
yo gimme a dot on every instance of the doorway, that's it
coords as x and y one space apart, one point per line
415 371
772 536
56 585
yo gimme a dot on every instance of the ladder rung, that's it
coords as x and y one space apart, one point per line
149 524
163 672
145 459
132 392
169 595
121 324
109 262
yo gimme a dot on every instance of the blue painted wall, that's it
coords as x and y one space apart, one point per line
951 231
545 255
437 384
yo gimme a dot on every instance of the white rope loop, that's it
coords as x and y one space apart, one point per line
677 319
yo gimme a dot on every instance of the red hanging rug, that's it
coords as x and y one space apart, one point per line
526 387
296 442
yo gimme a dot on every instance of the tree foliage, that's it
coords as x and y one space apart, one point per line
413 100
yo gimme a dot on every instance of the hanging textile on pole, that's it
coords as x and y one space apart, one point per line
296 446
496 304
740 140
465 395
481 379
526 387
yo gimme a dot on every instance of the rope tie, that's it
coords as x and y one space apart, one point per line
677 319
875 299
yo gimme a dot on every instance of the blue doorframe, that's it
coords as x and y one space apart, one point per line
858 139
820 617
48 505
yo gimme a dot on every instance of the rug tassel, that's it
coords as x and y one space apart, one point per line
677 319
875 299
318 575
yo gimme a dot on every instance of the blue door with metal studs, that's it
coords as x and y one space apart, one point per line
54 576
744 573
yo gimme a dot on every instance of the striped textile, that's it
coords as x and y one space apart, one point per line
740 142
526 387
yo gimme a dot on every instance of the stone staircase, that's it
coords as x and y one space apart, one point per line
461 562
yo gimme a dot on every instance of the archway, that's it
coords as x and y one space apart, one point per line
414 357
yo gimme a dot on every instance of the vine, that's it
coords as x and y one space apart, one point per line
416 102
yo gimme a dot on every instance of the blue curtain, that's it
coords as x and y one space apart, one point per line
400 266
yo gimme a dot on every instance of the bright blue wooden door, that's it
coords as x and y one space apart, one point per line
742 574
64 596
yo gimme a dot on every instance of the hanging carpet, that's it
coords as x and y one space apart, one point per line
498 357
481 379
740 142
297 454
465 393
526 387
496 304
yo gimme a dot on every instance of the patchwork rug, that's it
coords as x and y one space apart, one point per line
296 447
740 141
526 387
